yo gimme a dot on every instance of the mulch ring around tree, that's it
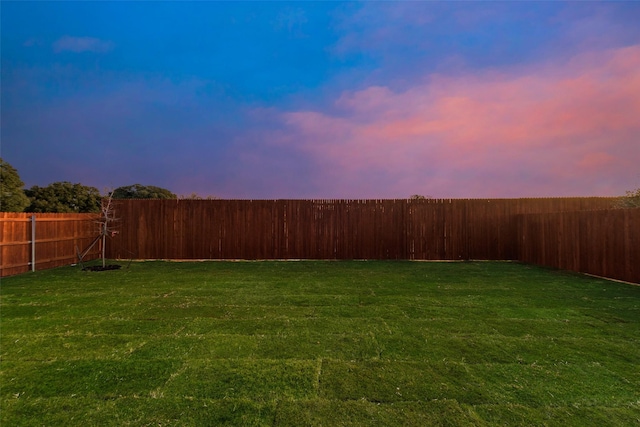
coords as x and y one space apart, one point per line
101 268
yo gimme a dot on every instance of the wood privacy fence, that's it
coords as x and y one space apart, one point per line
442 229
568 233
56 238
605 243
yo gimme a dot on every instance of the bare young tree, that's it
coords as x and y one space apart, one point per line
106 222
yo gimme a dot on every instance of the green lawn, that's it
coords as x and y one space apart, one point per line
319 344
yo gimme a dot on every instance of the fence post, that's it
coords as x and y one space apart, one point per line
33 243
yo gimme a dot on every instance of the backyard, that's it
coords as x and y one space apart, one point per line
318 343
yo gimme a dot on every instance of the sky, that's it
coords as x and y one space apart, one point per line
324 100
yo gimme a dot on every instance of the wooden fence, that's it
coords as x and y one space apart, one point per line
605 243
57 237
568 233
445 229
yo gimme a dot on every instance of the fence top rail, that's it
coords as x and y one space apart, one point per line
48 215
425 200
38 219
581 212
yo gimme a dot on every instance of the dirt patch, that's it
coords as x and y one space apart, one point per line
101 268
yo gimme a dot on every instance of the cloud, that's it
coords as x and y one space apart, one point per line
556 129
379 27
81 44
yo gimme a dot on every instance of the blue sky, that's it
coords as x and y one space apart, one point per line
325 99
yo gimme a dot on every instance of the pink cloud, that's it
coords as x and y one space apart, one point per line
559 129
370 26
594 161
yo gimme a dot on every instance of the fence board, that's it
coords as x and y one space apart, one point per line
554 231
57 237
602 242
328 229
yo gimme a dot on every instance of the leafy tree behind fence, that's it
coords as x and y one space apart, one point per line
12 196
137 191
630 200
64 197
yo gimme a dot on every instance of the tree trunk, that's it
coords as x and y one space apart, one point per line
104 244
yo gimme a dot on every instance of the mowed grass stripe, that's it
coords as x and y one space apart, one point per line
533 384
302 412
318 343
468 349
577 326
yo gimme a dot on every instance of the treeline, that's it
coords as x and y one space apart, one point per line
67 197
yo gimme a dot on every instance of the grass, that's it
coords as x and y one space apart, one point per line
318 344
